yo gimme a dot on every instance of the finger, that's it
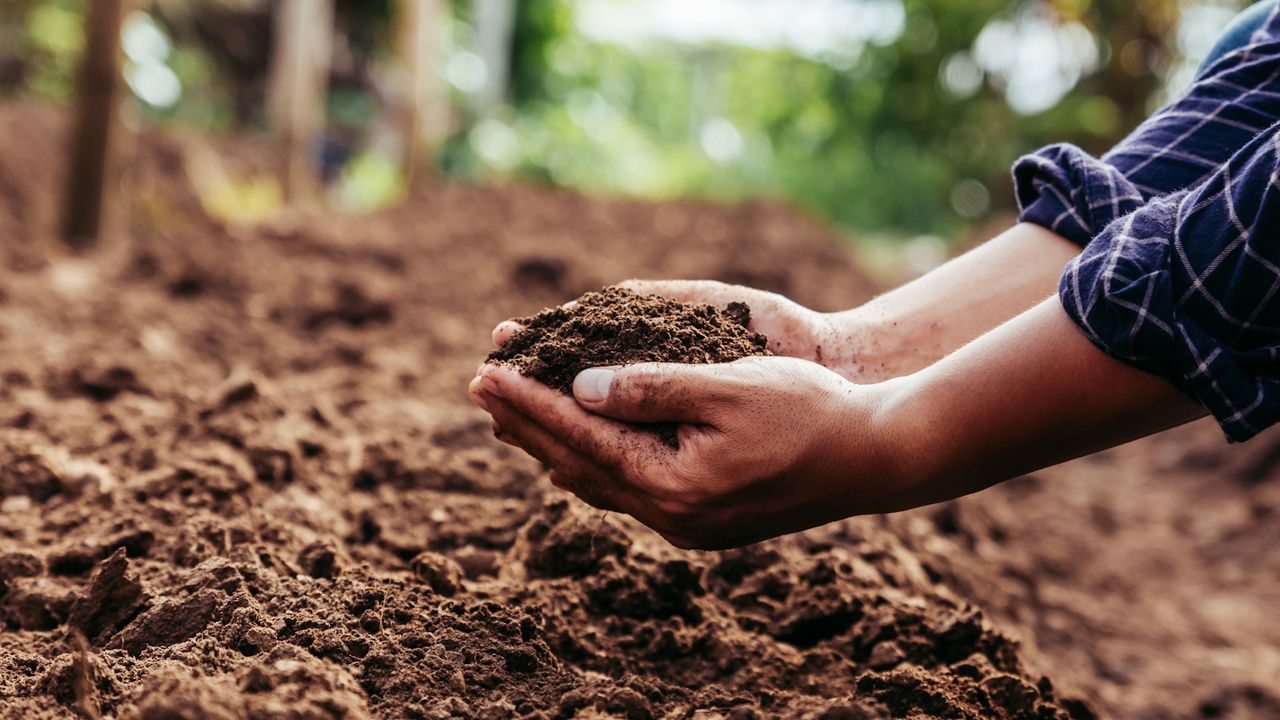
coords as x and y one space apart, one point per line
659 392
710 292
771 314
533 439
569 471
585 490
475 394
610 445
505 330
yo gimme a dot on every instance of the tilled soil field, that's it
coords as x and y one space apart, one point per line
240 479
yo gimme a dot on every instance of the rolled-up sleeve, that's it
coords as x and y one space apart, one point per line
1065 189
1068 191
1188 287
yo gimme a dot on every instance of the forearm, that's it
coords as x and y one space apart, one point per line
1028 395
1179 147
925 320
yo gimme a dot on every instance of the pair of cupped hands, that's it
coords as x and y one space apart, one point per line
767 445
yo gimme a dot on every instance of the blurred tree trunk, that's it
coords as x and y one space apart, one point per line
495 27
298 82
424 101
95 122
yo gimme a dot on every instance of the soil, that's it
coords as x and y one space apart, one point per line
239 478
615 326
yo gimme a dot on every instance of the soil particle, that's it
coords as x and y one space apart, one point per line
854 711
169 622
287 684
616 326
568 541
79 679
440 573
234 391
1246 701
79 556
113 598
319 560
103 382
17 565
349 304
27 469
540 273
36 603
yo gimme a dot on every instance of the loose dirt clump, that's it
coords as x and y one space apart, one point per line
617 326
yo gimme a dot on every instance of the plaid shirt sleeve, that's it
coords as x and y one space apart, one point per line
1186 288
1180 224
1076 195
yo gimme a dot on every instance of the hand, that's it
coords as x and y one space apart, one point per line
774 445
793 330
767 445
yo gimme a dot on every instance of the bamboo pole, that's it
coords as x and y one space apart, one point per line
96 120
495 24
424 103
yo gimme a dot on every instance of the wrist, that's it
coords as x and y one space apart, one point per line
906 455
875 456
859 344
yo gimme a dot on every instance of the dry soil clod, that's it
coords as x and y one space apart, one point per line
616 326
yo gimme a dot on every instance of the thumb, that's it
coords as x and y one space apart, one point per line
654 392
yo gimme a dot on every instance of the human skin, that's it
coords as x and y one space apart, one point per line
775 445
903 330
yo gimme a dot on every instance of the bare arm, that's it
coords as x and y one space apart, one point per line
1030 394
775 445
906 329
919 323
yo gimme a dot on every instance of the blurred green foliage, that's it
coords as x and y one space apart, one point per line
876 144
904 134
48 36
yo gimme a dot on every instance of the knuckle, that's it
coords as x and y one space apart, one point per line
640 385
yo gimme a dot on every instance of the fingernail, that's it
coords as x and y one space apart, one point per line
592 385
491 375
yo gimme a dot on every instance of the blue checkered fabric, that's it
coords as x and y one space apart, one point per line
1180 225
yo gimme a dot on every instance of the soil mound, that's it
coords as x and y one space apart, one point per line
616 326
240 464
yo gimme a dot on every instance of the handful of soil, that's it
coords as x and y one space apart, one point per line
616 326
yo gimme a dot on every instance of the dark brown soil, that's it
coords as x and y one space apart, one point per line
615 326
239 478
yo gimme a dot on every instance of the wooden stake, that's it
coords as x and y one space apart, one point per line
97 85
495 22
424 105
298 84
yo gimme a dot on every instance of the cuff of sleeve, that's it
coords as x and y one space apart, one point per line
1120 291
1070 192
